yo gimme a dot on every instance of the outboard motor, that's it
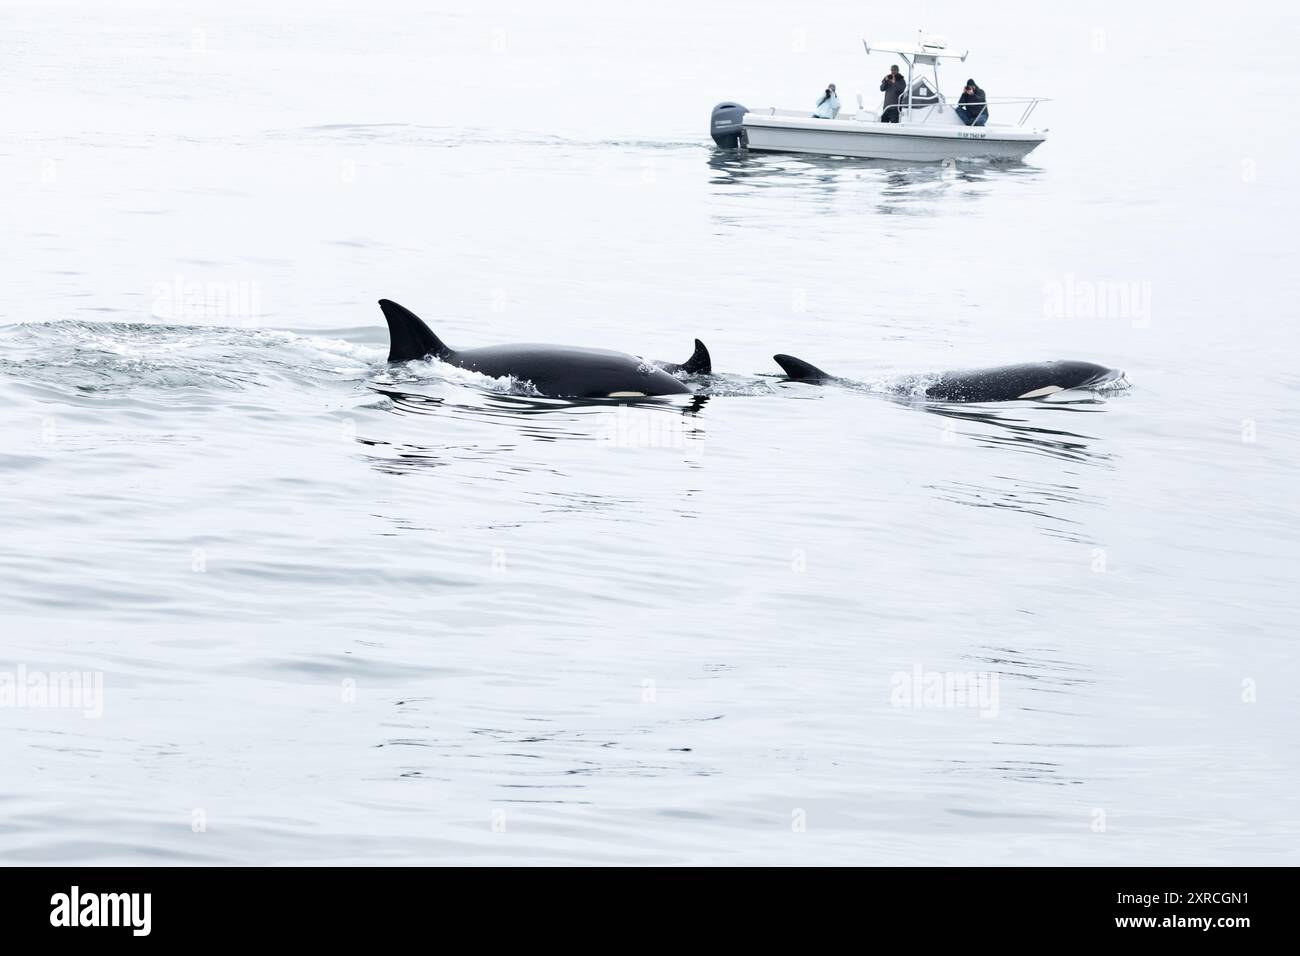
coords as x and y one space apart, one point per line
725 124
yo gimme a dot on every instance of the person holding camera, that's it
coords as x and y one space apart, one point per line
829 105
893 86
973 107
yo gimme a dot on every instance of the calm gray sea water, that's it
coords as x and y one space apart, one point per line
348 613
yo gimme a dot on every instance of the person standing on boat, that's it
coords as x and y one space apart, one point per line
829 105
973 107
892 86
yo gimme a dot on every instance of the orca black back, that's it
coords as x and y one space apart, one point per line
1006 383
556 371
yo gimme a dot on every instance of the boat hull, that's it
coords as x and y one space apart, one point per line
868 140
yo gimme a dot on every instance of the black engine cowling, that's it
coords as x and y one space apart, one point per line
725 124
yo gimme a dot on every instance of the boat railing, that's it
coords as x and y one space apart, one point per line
1030 103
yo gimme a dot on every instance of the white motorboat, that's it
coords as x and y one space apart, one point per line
929 126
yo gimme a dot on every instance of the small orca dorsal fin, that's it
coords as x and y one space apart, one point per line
699 363
408 337
799 370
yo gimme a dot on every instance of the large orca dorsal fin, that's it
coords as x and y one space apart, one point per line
408 337
699 363
799 370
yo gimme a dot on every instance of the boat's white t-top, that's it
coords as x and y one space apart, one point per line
927 49
929 127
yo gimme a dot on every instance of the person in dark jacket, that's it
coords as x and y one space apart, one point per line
973 107
892 86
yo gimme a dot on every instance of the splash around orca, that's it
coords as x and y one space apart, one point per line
1006 383
555 371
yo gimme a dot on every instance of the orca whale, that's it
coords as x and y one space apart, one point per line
556 371
1007 383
